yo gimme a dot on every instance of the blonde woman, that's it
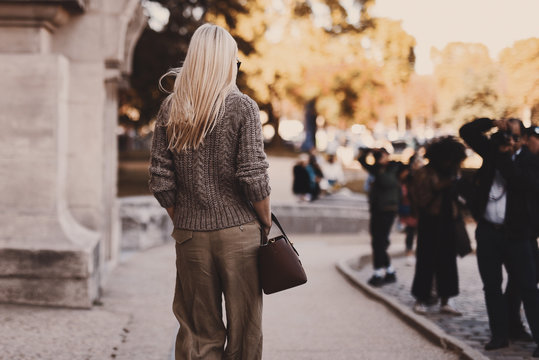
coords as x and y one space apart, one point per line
207 167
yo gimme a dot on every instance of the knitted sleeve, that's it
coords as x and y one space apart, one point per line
162 181
252 165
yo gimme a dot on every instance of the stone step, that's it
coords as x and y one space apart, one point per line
145 224
320 218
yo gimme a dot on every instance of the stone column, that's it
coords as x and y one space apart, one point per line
58 153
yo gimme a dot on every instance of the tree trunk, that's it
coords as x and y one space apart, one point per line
401 111
276 141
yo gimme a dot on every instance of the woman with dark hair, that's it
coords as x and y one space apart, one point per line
434 194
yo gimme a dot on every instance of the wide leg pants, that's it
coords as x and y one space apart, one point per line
209 265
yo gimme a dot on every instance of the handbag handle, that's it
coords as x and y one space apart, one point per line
264 237
274 219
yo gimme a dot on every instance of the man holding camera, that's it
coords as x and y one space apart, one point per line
502 208
384 196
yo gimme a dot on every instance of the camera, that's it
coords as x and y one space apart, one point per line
503 138
377 153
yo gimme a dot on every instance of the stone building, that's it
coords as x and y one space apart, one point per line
61 63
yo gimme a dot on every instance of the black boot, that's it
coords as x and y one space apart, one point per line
520 334
495 343
376 281
390 278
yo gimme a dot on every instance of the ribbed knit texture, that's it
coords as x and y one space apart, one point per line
210 187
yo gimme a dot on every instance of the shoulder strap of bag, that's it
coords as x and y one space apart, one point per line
264 238
274 219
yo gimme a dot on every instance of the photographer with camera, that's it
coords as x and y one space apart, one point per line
502 208
384 196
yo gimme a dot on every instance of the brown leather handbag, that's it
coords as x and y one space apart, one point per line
278 263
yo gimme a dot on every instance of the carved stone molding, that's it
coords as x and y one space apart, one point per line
70 5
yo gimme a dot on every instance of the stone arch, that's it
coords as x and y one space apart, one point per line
61 62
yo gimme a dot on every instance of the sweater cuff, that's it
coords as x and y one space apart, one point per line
257 191
166 198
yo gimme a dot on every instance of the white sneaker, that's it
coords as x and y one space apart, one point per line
410 260
450 310
420 308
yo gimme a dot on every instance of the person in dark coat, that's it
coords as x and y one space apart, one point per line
315 173
503 205
532 143
407 214
384 196
433 192
301 185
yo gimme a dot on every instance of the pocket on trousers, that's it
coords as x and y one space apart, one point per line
250 225
181 235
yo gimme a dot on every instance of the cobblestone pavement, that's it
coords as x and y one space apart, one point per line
472 327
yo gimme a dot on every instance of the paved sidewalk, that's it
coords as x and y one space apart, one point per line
471 328
324 319
133 322
329 319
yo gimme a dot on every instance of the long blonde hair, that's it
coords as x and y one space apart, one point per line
206 77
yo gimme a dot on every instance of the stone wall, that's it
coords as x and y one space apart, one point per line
61 62
145 223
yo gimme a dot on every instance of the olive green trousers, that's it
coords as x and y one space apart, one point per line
211 264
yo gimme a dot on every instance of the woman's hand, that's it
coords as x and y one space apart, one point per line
266 229
501 124
263 212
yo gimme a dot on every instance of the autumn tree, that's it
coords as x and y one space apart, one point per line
420 96
295 60
520 64
354 65
393 50
467 84
158 50
272 70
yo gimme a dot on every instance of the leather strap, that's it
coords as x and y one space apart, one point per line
264 238
274 219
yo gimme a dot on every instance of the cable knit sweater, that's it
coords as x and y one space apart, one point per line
210 187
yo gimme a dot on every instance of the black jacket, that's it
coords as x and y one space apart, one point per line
521 175
385 191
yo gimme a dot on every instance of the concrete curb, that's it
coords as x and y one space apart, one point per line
427 328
